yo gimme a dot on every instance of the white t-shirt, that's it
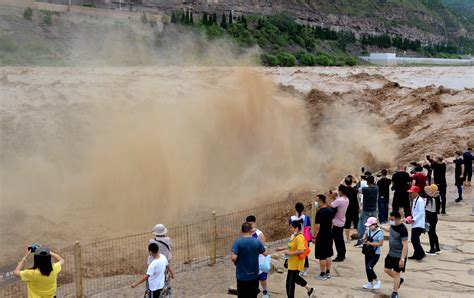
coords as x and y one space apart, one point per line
156 272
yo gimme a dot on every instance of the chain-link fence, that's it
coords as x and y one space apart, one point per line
110 264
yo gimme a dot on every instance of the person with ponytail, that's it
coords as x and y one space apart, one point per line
305 221
41 279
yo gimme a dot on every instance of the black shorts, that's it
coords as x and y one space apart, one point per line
248 288
323 248
351 218
393 263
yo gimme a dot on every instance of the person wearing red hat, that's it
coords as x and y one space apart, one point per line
417 223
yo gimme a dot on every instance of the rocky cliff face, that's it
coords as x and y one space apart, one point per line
414 21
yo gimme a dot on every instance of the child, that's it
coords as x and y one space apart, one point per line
156 272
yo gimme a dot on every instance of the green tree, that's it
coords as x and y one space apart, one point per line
205 19
174 19
183 19
286 59
306 59
187 19
191 18
214 18
231 18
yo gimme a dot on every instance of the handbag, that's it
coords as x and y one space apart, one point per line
369 250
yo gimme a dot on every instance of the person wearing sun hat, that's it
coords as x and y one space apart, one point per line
417 222
165 245
373 238
432 204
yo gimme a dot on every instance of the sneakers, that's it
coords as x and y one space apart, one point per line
401 281
458 200
303 273
322 276
311 292
368 286
394 295
328 275
359 243
438 251
265 294
377 285
431 252
338 260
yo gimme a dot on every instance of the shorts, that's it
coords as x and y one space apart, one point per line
263 276
323 248
393 263
247 288
353 218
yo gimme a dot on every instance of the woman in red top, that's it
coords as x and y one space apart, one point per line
419 180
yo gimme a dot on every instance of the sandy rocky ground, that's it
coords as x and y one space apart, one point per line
449 274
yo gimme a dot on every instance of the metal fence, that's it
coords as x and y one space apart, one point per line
111 264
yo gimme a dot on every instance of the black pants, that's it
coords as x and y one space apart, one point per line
432 219
155 294
467 174
247 288
401 200
306 262
415 241
442 194
338 236
370 261
293 278
383 209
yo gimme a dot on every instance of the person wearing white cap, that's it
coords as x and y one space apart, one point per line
164 242
373 241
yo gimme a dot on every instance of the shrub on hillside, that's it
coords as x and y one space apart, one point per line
269 60
28 13
286 59
350 61
325 60
306 59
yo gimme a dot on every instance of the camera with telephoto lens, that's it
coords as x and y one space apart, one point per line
33 247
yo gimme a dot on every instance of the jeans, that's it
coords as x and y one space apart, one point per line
383 210
459 190
415 241
442 194
370 261
364 215
248 288
293 278
401 200
432 219
338 236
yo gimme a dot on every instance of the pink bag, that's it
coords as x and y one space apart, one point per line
307 233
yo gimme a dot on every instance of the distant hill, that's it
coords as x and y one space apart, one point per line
465 7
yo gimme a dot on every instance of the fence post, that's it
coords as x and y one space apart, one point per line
313 209
213 254
188 248
78 270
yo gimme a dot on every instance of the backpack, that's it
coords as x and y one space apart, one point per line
306 253
307 229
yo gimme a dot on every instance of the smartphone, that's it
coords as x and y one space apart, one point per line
362 169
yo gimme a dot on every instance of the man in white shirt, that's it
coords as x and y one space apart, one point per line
418 222
155 274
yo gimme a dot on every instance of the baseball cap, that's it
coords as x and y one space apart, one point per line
42 251
414 188
371 221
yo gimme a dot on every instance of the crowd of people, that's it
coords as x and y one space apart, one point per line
418 190
419 196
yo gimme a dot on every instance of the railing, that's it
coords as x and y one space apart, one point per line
110 264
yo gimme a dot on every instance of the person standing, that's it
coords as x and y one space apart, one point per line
401 183
296 246
395 261
256 233
156 272
418 222
352 212
369 207
305 229
432 201
165 245
373 238
384 196
41 279
323 237
439 176
467 157
340 204
419 179
458 179
244 255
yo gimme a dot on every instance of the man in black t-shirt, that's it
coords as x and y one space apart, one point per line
384 196
323 237
401 183
439 176
352 212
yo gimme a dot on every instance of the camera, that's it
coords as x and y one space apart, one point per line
33 247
